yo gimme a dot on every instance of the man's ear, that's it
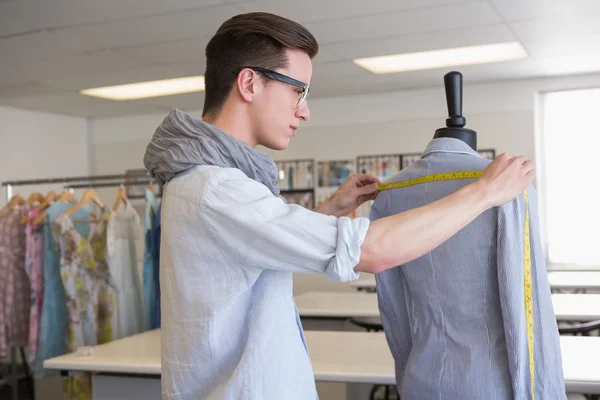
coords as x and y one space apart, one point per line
246 84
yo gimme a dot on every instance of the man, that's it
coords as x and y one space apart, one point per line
230 329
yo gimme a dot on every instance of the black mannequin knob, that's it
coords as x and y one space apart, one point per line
453 84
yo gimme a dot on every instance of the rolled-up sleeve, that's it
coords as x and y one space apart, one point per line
257 230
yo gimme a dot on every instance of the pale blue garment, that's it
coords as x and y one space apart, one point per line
150 294
53 317
122 233
229 248
455 318
156 227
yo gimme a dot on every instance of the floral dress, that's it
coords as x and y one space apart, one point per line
90 294
34 266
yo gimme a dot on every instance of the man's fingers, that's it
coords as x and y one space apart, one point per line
366 197
506 156
520 160
366 179
529 165
369 189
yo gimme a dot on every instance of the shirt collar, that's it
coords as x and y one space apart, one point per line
448 145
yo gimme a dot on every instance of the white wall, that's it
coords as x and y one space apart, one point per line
503 114
35 145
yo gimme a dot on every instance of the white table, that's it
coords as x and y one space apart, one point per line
337 305
364 282
346 357
586 280
344 305
138 354
576 307
371 361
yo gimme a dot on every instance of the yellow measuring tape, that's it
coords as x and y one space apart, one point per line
431 178
529 295
526 256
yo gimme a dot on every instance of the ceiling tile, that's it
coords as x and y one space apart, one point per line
563 46
110 78
148 30
325 56
403 23
11 26
422 42
339 68
40 46
304 11
170 52
61 13
81 106
11 90
192 51
518 10
556 26
69 104
51 49
427 78
565 64
90 64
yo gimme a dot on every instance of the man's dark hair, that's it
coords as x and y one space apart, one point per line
253 39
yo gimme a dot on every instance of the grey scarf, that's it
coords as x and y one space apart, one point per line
182 142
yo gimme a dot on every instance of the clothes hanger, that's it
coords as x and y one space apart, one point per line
35 197
66 197
88 195
121 197
49 199
16 201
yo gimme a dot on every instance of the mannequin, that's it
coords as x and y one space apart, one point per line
453 318
456 122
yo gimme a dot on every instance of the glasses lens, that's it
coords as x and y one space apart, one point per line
302 97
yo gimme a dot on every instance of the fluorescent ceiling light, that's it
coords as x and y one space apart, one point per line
143 90
443 58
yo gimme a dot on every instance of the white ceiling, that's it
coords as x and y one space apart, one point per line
50 49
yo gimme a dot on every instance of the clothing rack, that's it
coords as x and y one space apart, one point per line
90 181
135 178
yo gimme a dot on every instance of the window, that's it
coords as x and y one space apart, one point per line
569 176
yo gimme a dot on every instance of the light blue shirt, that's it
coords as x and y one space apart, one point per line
230 328
455 318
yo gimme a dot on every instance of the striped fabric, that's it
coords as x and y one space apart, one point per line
455 318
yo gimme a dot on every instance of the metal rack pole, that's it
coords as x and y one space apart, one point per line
65 180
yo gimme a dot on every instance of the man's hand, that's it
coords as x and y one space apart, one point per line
506 178
353 192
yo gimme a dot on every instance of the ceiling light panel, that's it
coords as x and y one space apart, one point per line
144 90
443 58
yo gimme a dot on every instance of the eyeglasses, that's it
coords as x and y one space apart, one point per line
285 79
